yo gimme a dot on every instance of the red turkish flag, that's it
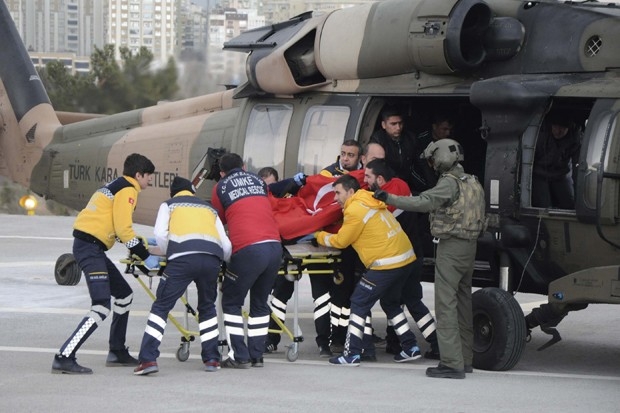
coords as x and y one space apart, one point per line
312 209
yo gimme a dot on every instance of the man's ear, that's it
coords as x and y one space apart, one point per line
222 174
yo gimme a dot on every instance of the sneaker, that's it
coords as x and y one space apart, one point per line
410 355
325 351
68 365
352 361
445 372
257 362
469 368
432 354
212 365
122 357
379 342
145 368
229 363
270 348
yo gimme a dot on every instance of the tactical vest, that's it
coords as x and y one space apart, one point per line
465 218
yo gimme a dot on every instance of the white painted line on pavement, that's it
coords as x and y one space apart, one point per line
31 237
22 264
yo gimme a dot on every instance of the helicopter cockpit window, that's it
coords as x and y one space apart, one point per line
322 135
265 140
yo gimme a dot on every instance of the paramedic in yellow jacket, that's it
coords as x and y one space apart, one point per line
387 253
106 219
191 235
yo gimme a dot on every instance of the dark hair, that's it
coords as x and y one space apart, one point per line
348 182
230 161
560 119
268 171
136 163
389 111
440 117
380 168
353 142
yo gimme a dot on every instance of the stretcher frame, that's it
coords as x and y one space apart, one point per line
187 336
295 262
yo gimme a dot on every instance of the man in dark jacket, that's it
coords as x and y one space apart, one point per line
555 164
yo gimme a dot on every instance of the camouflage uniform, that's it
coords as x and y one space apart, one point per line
456 205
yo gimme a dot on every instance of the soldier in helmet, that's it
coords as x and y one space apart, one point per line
456 206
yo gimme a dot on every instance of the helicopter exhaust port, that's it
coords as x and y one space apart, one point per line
403 36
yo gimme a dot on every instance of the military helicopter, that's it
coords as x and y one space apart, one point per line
498 66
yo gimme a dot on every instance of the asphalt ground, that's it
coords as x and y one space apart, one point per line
581 373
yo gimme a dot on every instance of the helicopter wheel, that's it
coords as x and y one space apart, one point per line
499 329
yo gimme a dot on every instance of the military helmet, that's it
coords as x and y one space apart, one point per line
443 154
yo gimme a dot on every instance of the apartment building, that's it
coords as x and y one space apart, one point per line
59 26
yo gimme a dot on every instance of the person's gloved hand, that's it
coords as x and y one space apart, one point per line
152 262
381 195
314 241
300 178
306 238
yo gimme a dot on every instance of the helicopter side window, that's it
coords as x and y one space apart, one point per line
322 135
265 140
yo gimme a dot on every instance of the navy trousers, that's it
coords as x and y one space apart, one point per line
203 270
104 281
376 284
252 269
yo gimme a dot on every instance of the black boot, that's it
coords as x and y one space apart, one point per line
445 372
68 365
120 358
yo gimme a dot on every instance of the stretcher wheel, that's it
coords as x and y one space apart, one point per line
183 351
67 271
292 353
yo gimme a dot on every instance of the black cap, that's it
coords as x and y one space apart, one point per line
181 184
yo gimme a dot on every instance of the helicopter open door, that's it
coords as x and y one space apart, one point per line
599 186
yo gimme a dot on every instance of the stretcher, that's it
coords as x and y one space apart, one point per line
187 336
298 259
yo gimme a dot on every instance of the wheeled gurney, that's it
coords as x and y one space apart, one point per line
187 336
298 259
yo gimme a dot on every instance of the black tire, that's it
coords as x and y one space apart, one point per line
499 330
67 271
